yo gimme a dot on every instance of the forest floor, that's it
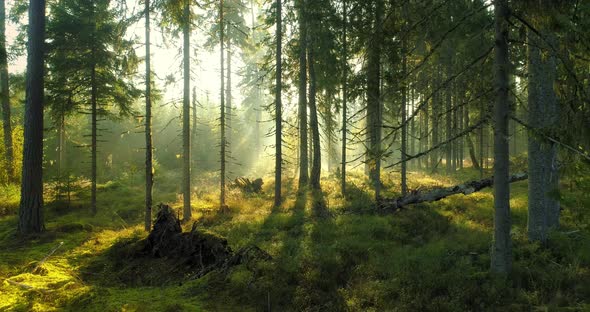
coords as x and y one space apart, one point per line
330 253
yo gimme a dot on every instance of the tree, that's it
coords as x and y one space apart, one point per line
236 37
5 95
30 214
302 103
177 17
316 168
543 207
344 93
502 248
278 106
374 103
404 111
149 174
186 128
223 108
89 62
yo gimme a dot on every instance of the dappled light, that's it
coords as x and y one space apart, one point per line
294 155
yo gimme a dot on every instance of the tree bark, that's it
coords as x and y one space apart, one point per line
278 105
426 134
222 108
543 209
413 128
448 115
435 122
257 107
404 144
313 120
5 96
303 157
501 261
31 203
374 104
194 131
186 138
228 92
344 93
149 174
94 134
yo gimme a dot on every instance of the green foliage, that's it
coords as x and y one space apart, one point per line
84 35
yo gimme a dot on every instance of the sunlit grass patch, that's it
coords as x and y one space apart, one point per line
9 199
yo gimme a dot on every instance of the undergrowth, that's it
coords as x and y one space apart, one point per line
330 252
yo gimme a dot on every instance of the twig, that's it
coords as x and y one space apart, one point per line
46 257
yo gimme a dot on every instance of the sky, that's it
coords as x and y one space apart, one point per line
166 60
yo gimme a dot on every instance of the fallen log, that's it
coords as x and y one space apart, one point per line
436 194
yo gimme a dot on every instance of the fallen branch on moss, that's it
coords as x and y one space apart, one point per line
436 194
46 257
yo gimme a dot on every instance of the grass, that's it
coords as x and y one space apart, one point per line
330 252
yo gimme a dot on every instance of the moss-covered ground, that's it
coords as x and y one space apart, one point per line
330 252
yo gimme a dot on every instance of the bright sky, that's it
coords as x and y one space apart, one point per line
166 60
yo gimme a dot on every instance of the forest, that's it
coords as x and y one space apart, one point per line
295 155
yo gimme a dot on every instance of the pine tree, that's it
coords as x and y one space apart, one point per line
30 214
502 248
149 174
5 95
278 105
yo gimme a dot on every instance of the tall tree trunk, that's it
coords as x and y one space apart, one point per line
316 167
30 213
435 123
543 209
257 107
278 106
303 157
426 134
374 103
222 108
149 174
404 148
228 91
462 125
61 142
94 134
344 93
186 128
194 131
513 124
481 144
5 96
502 248
329 130
448 115
309 147
413 128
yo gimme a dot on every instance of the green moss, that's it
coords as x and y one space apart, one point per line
433 256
